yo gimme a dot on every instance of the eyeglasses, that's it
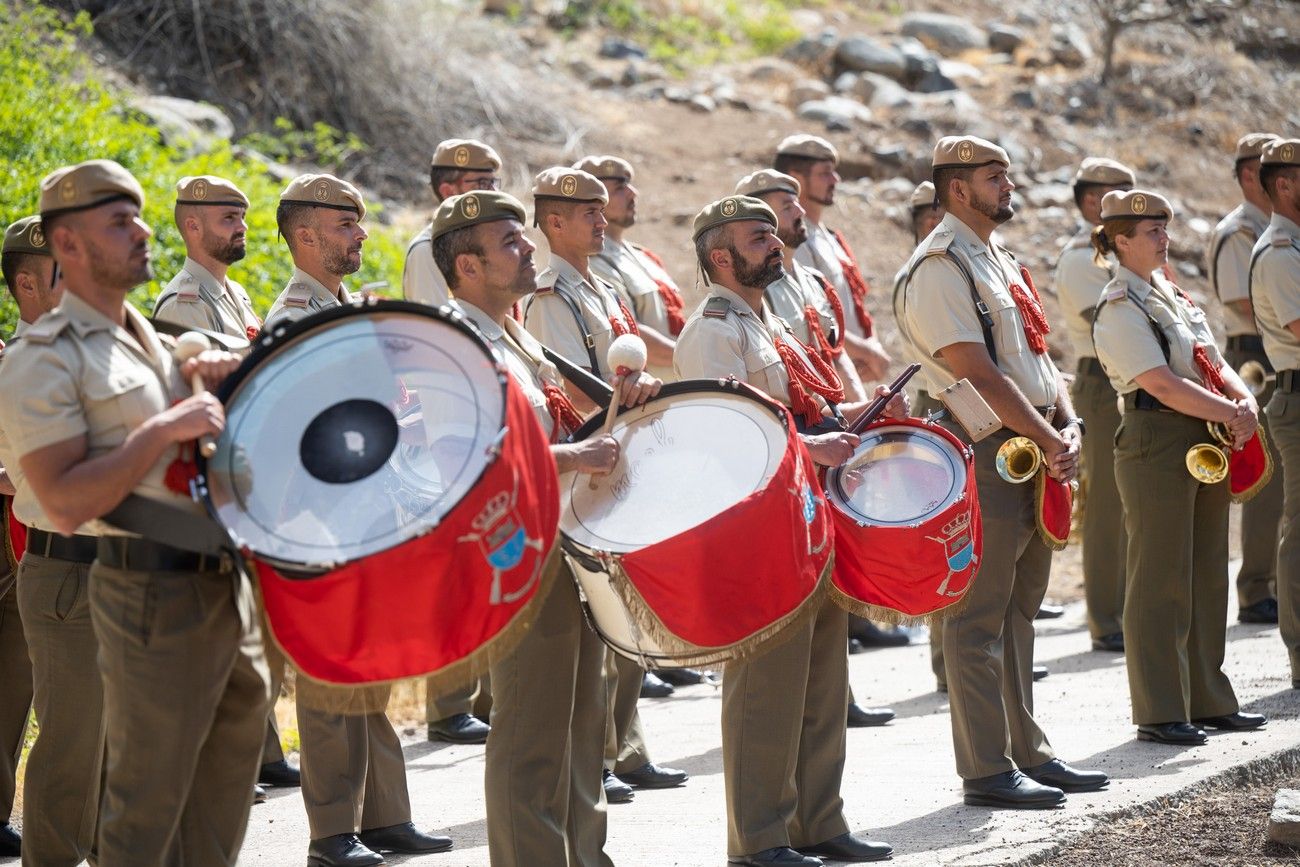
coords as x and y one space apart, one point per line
484 183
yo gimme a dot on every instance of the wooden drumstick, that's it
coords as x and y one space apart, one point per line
189 345
627 356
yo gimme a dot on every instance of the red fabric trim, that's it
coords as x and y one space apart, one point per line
1055 506
837 309
1032 317
819 341
820 379
182 470
1211 376
1249 466
627 325
16 530
858 287
565 415
674 305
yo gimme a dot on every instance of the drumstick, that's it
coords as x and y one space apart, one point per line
189 345
626 357
877 406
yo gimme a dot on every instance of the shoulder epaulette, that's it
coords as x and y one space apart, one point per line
939 243
1118 293
297 295
47 328
717 307
188 290
1280 239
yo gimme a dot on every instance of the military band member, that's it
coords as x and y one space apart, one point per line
1275 290
209 215
783 712
1228 263
96 410
813 161
970 314
1160 354
1079 281
459 165
545 803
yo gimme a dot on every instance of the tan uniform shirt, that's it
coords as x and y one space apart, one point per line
908 353
791 295
1228 261
302 297
196 299
421 279
25 504
940 312
823 254
1127 345
550 318
77 374
1079 282
522 355
627 268
1275 287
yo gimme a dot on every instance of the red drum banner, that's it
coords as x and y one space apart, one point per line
1250 468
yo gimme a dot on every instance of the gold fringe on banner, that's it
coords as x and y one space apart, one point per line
893 617
1264 478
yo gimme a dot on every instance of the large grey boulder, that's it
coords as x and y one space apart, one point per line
1284 820
863 54
946 33
836 112
184 121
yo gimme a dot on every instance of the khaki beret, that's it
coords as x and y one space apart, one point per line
324 191
1281 152
1135 205
606 168
767 181
471 209
209 190
26 236
810 146
88 185
922 197
732 209
1099 170
467 154
561 182
967 150
1251 145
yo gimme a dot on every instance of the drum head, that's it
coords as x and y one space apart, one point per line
687 455
899 475
353 431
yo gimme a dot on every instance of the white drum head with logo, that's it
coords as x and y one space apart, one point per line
899 475
685 457
354 435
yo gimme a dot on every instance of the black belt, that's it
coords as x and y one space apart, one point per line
1089 365
75 549
144 555
1047 412
1144 400
1288 380
1245 343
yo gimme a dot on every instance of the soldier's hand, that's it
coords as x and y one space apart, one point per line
831 449
193 417
596 456
1063 459
1243 424
632 391
898 406
213 365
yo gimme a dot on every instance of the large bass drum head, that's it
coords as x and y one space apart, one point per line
899 475
687 455
353 431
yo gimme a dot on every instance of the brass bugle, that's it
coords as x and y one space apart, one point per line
1255 377
1018 459
1208 462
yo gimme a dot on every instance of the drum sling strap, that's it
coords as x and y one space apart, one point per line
981 309
170 526
587 339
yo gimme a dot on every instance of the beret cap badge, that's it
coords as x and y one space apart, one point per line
729 208
469 207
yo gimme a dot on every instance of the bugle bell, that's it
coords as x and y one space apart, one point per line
1208 462
1018 459
1255 376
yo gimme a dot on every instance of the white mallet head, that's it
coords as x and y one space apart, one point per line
627 354
190 344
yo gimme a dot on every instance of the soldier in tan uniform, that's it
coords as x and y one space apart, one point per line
1228 263
783 711
459 165
813 161
1079 281
969 314
210 218
578 315
98 411
545 802
1161 357
1275 290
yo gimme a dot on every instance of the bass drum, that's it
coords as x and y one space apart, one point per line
708 537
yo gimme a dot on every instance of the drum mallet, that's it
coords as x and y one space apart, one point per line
626 357
189 345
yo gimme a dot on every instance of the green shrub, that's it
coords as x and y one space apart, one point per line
58 110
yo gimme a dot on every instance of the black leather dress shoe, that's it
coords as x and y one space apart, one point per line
11 842
1048 611
1013 790
1178 733
856 647
783 856
1058 774
341 850
863 717
871 635
941 686
404 838
653 687
846 847
280 774
1040 671
460 728
651 776
1232 722
686 676
1263 611
616 791
1113 643
259 794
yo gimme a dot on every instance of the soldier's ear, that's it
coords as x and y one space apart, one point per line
719 257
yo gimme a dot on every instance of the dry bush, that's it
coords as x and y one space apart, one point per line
399 74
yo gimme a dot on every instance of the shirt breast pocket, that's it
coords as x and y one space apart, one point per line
1008 333
118 401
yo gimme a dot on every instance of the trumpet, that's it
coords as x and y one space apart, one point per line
1255 376
1208 462
1018 460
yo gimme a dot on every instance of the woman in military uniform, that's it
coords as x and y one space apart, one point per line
1154 344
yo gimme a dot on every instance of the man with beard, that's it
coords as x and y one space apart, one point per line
544 756
96 411
353 770
971 313
210 218
783 711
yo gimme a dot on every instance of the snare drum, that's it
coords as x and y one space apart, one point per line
709 536
390 483
907 521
